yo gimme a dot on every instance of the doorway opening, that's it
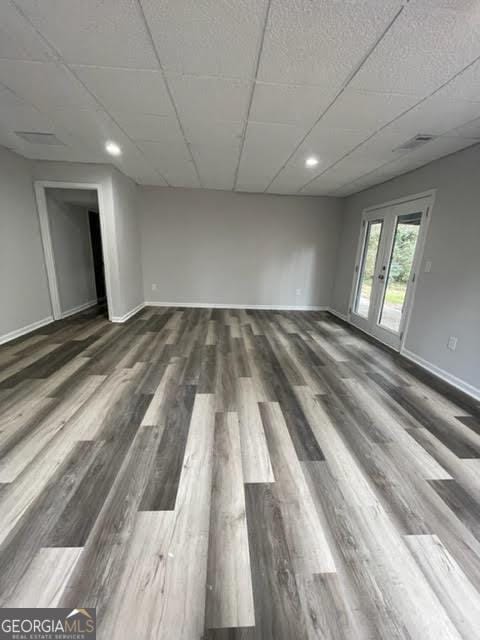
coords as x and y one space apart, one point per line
74 247
389 257
97 255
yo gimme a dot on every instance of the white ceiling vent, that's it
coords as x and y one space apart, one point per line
35 137
416 141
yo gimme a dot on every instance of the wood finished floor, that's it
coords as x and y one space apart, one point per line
221 474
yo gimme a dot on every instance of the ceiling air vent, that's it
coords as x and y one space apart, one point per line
415 142
35 137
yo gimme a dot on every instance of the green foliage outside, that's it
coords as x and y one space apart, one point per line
404 249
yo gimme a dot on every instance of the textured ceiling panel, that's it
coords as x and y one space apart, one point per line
174 81
127 89
366 111
345 171
18 39
97 32
216 167
469 130
422 50
17 115
134 163
466 85
321 42
45 85
289 104
436 115
206 37
87 125
207 98
327 145
267 147
173 162
146 126
214 134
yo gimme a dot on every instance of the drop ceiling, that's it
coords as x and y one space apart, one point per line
236 94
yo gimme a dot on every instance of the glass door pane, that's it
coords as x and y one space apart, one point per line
365 291
401 260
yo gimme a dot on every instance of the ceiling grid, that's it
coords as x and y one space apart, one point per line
236 95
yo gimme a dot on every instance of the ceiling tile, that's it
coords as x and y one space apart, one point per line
173 162
216 167
325 185
213 134
452 5
150 179
266 149
17 115
206 37
366 111
408 162
380 148
46 85
80 153
140 91
135 164
146 126
327 144
421 51
18 40
440 147
347 170
436 115
92 125
207 98
289 104
321 42
370 154
469 130
96 32
466 85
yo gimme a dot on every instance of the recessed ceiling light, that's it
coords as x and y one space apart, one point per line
112 148
311 161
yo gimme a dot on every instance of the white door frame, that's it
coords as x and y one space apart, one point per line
40 186
369 213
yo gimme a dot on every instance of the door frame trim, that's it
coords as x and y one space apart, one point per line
430 194
40 186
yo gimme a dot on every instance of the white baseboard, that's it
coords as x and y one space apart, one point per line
129 314
459 384
81 307
27 329
342 316
267 307
442 374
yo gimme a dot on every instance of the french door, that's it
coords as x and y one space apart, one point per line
388 260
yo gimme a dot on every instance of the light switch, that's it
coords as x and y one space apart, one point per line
428 266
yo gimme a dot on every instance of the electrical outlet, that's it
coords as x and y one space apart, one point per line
428 266
154 287
452 343
298 292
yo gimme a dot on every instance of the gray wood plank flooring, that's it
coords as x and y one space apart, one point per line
259 475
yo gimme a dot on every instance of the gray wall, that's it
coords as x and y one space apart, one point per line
72 250
447 301
233 248
127 234
24 291
121 237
